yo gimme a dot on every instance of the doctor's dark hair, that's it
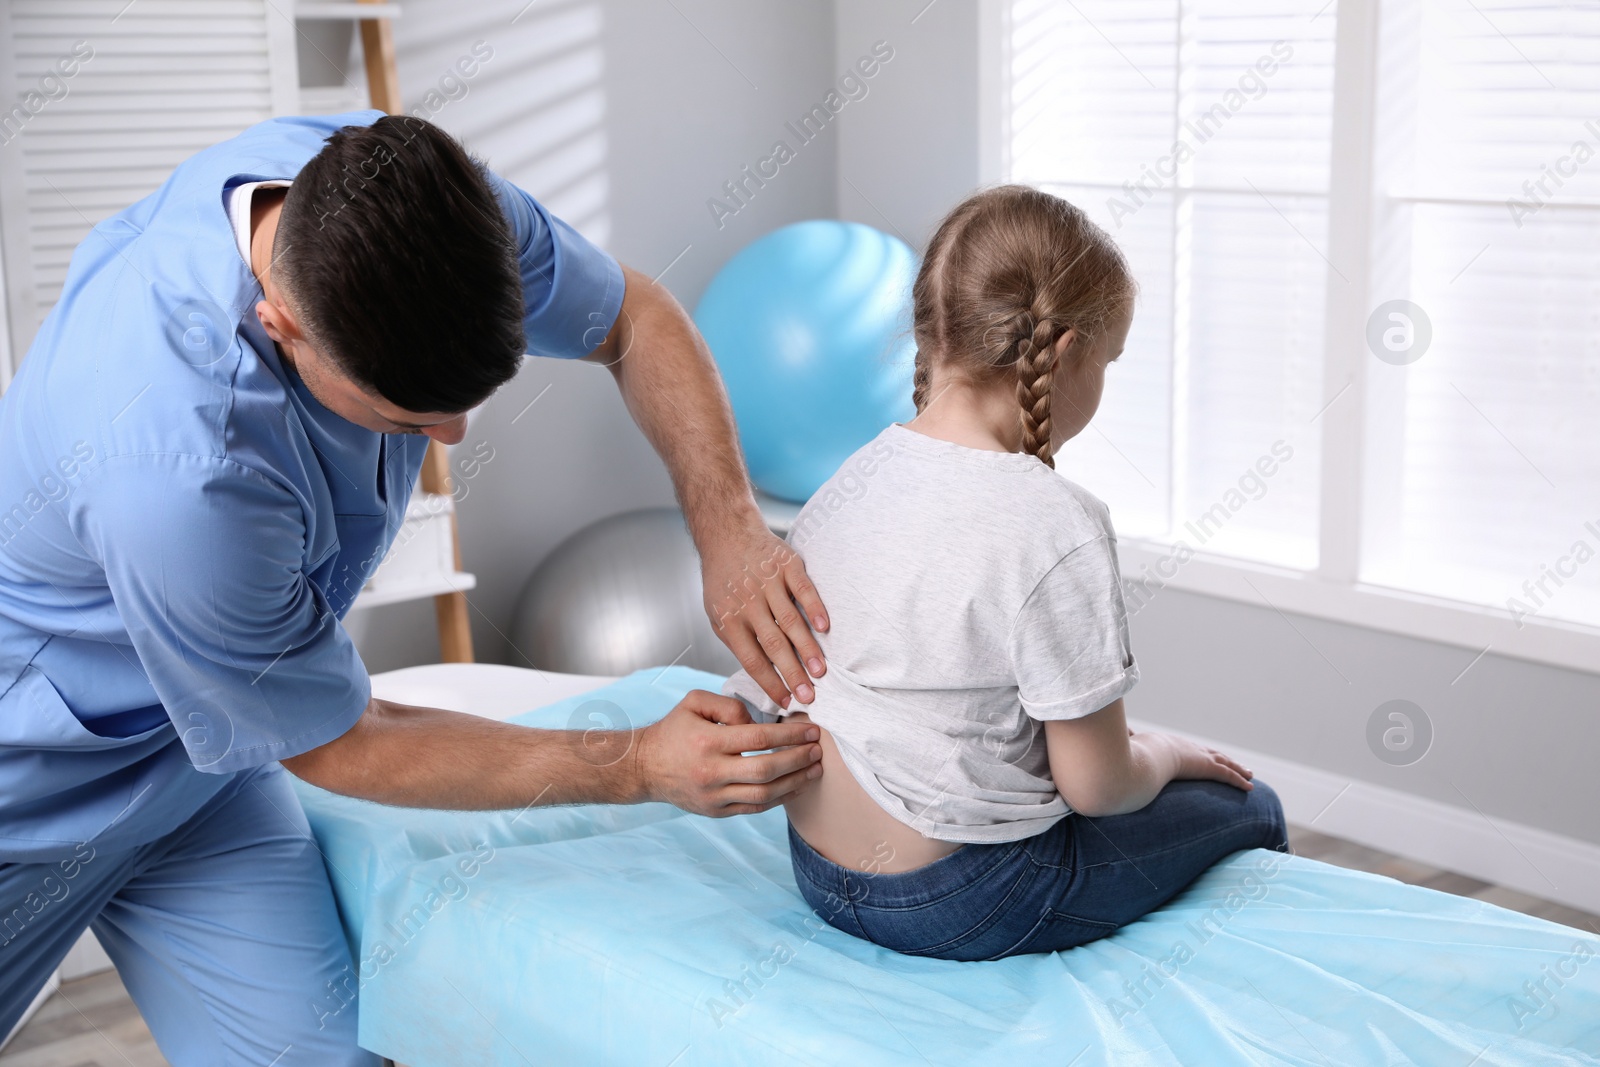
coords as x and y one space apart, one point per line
1007 272
401 266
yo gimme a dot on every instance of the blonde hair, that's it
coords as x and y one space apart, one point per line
1007 272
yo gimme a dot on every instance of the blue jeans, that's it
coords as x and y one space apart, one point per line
1074 883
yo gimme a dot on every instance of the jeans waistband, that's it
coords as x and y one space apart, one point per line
919 886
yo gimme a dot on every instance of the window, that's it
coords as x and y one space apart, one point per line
1483 479
1366 356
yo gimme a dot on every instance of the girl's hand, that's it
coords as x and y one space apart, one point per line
1197 761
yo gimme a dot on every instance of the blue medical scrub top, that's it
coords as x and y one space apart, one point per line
183 526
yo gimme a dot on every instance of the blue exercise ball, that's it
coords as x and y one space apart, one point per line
810 326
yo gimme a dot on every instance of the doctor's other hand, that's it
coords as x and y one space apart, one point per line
693 758
759 599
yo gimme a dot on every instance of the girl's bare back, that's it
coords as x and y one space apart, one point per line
836 817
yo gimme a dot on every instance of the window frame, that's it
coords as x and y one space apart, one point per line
1333 590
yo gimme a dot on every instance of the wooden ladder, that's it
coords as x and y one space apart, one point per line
383 87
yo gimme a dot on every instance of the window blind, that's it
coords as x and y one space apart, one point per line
1198 135
1483 481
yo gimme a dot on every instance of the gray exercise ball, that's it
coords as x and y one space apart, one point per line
619 595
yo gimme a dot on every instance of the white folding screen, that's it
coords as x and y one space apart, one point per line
7 365
105 97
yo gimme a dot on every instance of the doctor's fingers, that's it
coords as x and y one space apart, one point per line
750 799
741 641
714 707
777 646
805 593
791 619
771 766
756 737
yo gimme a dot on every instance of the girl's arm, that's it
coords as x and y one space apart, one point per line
1100 767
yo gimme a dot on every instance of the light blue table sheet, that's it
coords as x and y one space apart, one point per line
645 937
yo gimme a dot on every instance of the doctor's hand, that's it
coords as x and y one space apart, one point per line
758 597
693 758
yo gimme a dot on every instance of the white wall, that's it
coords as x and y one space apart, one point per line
624 118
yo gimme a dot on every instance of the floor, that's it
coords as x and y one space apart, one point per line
89 1023
92 1023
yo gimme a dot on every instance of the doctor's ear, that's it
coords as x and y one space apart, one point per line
279 322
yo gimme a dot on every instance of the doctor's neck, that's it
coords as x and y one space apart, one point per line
265 208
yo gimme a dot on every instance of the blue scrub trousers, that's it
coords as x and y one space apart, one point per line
224 931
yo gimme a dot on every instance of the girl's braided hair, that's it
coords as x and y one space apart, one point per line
1007 272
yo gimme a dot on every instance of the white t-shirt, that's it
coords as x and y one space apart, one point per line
970 594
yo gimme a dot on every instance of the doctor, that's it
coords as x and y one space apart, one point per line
208 449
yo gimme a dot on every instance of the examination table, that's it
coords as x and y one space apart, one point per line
645 937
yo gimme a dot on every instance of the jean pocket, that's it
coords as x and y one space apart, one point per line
1057 931
962 924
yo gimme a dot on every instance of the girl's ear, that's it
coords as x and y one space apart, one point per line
1064 343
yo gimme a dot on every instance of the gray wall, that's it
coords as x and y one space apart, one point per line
623 118
909 153
1513 739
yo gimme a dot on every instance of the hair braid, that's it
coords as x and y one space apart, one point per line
921 380
1006 273
1036 364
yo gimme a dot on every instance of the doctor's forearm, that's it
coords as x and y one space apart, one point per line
419 757
671 387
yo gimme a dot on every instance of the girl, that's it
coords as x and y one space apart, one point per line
982 794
